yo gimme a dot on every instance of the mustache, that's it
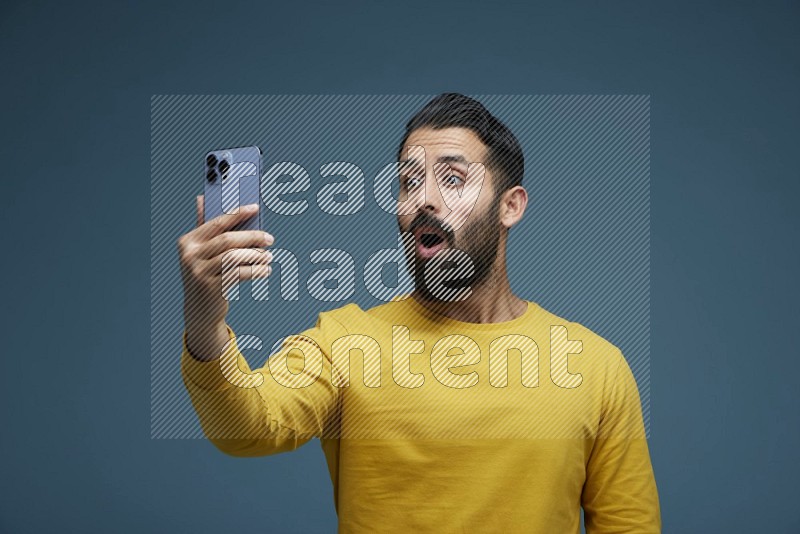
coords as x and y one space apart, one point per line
426 219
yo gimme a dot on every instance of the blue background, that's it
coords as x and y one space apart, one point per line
76 86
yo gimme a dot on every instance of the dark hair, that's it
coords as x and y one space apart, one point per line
454 110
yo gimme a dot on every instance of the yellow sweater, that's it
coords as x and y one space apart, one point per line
436 425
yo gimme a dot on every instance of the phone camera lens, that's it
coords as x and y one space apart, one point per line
211 175
223 167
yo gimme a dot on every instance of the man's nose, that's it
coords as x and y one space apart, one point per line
433 201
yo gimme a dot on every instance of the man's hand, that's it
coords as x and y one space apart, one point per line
211 256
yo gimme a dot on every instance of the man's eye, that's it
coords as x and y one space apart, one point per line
412 182
454 180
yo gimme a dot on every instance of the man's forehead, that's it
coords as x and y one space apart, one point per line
447 145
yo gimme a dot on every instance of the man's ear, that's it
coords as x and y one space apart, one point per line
512 205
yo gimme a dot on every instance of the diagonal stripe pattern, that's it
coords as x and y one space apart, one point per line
582 252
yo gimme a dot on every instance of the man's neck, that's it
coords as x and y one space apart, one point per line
491 301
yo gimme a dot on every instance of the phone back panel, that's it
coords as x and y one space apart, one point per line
231 180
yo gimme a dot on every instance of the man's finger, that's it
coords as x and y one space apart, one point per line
226 221
234 240
232 259
248 272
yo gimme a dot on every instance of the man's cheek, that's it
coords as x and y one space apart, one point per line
457 219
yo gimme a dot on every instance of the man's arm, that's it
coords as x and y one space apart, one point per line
620 493
245 415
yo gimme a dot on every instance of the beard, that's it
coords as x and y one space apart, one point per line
480 240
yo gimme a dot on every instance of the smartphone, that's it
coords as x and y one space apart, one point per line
232 180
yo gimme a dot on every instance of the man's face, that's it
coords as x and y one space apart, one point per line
447 203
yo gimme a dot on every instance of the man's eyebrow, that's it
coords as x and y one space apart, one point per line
458 158
409 164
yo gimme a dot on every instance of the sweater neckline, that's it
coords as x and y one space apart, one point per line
445 321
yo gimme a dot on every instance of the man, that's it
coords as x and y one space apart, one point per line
427 422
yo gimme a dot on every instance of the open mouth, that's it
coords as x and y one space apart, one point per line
429 241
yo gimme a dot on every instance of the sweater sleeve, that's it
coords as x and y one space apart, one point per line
277 407
619 493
